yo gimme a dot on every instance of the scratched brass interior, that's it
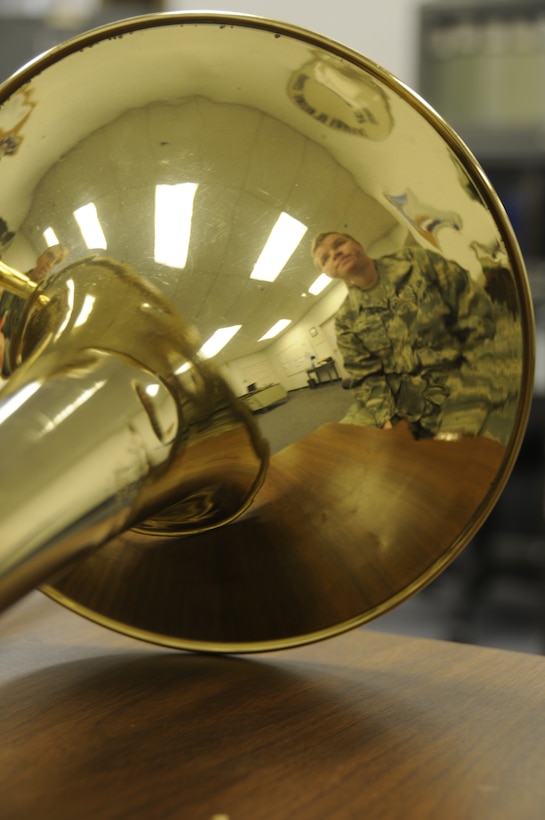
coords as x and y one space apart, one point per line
238 550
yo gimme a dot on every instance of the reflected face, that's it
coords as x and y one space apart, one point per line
340 256
45 264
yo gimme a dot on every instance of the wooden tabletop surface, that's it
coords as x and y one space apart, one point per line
365 725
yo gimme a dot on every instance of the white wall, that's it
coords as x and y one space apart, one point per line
288 357
384 31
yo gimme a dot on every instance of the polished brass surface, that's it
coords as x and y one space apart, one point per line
15 281
172 522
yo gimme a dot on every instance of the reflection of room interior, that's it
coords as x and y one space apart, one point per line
263 398
305 411
323 371
304 357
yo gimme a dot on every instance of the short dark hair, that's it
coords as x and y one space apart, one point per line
319 238
57 252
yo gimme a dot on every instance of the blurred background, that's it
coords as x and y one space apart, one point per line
481 65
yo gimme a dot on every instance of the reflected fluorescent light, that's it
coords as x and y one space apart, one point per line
70 295
218 340
282 241
173 217
13 403
90 227
320 284
86 309
72 407
50 237
276 329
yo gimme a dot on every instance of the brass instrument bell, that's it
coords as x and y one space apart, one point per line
138 486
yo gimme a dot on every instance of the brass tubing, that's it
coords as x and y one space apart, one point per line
79 448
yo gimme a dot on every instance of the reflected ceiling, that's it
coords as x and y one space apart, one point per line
248 168
309 139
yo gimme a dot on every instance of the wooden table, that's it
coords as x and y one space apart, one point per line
325 372
365 725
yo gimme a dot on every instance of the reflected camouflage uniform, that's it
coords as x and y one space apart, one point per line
419 345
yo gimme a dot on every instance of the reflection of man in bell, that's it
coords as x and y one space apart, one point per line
11 306
415 334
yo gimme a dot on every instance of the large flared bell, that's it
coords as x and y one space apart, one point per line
169 156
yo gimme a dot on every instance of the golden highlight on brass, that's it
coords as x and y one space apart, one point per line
236 212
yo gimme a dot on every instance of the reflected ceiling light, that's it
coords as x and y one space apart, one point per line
90 227
86 309
320 284
13 403
282 241
276 329
70 293
218 340
72 407
173 217
50 237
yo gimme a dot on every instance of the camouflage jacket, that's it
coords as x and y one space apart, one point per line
415 344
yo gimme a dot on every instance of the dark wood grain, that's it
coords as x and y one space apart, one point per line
96 725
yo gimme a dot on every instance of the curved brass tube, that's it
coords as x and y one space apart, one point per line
15 281
97 438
